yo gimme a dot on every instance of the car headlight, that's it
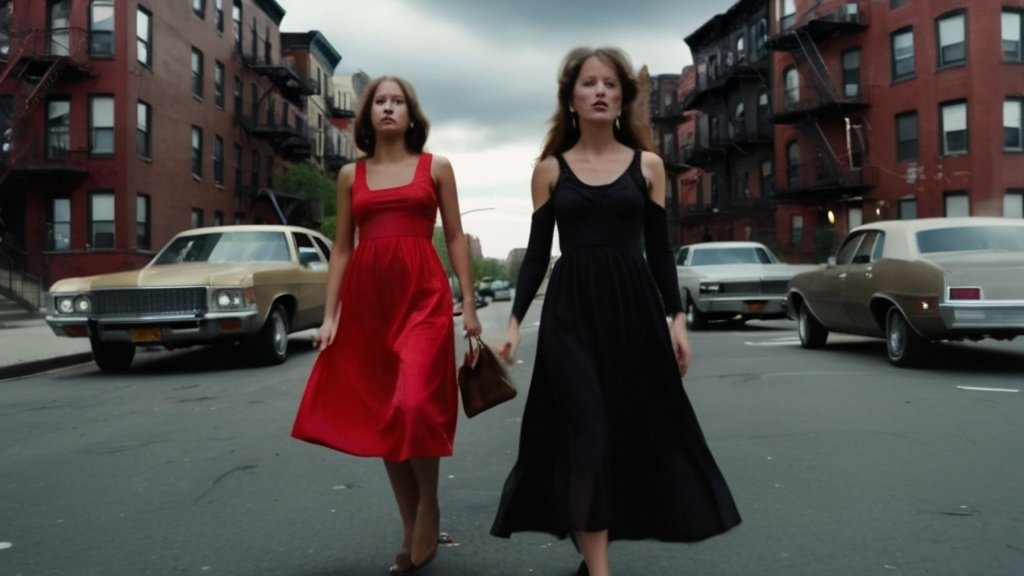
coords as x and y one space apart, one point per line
79 304
710 288
229 299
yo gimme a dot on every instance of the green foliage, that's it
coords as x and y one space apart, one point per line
307 180
489 267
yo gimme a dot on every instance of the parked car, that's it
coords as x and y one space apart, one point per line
732 280
249 284
501 290
913 282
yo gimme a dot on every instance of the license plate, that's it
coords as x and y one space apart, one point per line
146 335
755 307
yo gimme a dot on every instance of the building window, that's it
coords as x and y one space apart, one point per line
218 84
254 40
1012 28
854 217
239 217
218 160
851 73
255 167
1013 204
59 27
197 73
101 28
236 24
197 218
764 111
903 54
788 18
954 128
793 164
796 230
144 33
142 133
58 225
952 37
906 137
101 125
761 37
143 239
893 4
197 151
199 7
767 184
218 14
218 218
1013 125
267 48
956 204
238 96
791 83
907 208
238 168
58 129
101 219
6 8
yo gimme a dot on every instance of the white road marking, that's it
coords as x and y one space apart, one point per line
978 389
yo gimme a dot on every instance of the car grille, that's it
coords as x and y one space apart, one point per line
150 301
754 288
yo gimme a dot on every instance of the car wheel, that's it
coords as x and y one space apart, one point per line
271 345
695 319
904 345
113 356
812 333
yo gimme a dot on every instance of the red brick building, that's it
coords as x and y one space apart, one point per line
131 120
881 110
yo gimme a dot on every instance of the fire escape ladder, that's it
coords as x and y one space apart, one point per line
830 162
45 84
809 58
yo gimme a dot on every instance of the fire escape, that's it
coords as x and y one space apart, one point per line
289 140
823 109
39 60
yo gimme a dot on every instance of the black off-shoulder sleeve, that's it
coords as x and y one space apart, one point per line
660 258
535 264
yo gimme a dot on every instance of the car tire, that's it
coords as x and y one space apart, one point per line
904 345
812 334
271 344
695 319
113 356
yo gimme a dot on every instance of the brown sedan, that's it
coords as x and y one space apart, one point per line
913 282
249 284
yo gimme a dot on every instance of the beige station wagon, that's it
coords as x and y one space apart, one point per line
913 282
249 284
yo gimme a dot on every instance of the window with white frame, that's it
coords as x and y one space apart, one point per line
218 160
1013 125
101 125
903 54
787 16
791 84
796 230
907 208
218 84
101 219
906 137
101 28
58 225
218 14
1012 31
1013 203
144 34
956 204
851 73
854 217
952 38
142 133
197 151
143 235
199 7
954 128
197 73
197 218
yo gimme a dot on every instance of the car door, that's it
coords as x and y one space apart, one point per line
859 285
826 297
309 282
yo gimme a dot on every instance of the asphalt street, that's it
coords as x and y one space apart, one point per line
840 463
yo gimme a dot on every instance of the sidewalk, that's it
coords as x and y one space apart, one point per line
28 346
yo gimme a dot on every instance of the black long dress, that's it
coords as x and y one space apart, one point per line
609 439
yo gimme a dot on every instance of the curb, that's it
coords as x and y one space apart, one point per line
36 366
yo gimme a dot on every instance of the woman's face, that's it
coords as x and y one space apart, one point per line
597 94
389 112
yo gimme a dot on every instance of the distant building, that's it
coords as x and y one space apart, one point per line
816 116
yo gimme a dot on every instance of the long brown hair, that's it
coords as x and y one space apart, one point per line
634 125
415 136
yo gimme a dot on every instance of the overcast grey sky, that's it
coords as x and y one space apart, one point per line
485 72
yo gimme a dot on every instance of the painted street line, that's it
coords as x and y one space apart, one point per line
978 389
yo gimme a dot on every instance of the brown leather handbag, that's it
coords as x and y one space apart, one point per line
483 379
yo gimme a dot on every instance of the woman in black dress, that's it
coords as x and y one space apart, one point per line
610 447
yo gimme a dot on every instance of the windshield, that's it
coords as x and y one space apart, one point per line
738 255
226 247
1002 238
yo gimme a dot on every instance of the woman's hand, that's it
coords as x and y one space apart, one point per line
680 343
470 324
324 336
508 348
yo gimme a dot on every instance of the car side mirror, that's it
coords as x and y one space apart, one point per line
831 261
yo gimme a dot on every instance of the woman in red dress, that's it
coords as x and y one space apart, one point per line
384 384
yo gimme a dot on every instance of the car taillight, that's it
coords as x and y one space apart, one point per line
973 293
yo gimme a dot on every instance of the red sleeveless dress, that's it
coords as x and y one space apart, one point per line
387 387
